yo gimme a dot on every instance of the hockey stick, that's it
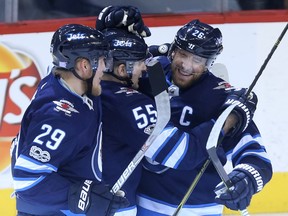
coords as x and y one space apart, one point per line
212 143
267 59
191 188
207 162
162 101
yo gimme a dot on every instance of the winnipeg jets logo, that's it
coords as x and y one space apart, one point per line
173 90
126 90
65 106
75 36
148 130
223 85
122 43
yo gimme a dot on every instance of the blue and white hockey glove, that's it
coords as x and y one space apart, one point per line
245 108
246 182
128 17
92 199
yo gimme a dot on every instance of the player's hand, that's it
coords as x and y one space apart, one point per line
127 17
111 17
245 108
95 199
246 182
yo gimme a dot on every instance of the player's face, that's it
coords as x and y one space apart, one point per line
138 68
96 87
186 68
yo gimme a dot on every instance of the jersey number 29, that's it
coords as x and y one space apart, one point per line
51 137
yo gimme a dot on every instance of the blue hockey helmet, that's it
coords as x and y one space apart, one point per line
73 41
125 45
199 39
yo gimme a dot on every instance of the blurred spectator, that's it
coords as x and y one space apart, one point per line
53 9
49 9
262 4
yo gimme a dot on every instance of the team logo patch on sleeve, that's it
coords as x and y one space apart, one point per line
65 106
148 130
223 85
39 154
126 90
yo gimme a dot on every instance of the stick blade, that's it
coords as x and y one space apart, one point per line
156 77
216 129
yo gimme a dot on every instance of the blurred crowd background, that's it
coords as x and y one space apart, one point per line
19 10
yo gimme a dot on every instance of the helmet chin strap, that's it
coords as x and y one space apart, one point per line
90 84
125 79
127 64
88 81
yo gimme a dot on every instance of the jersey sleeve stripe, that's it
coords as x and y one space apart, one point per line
177 153
160 142
243 143
22 184
262 155
27 164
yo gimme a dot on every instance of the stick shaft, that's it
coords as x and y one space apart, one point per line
191 188
162 102
267 60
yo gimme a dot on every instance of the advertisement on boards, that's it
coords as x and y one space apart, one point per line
25 57
19 77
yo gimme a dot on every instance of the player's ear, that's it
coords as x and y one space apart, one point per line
121 70
83 67
86 64
172 54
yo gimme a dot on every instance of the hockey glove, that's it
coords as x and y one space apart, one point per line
246 182
244 109
94 199
128 18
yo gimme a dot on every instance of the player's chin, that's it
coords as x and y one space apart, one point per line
96 91
181 83
184 82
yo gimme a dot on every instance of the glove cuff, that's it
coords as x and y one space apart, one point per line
253 174
79 197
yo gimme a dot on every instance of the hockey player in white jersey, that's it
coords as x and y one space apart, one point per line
56 163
